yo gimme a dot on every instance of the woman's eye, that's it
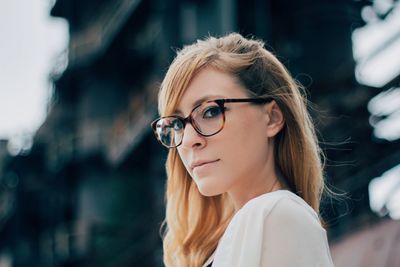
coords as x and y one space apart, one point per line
212 112
177 125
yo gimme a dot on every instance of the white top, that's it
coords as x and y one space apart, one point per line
276 229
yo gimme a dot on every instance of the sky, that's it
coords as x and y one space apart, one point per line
376 71
383 67
31 42
384 191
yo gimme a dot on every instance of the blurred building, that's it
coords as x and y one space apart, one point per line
374 245
91 191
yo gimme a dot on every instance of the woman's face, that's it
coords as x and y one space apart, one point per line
239 157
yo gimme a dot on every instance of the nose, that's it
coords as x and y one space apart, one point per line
191 138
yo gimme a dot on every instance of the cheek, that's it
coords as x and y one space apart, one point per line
244 147
184 158
241 146
244 135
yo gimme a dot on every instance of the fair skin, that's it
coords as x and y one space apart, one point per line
240 157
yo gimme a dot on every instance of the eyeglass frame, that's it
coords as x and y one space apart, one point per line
189 119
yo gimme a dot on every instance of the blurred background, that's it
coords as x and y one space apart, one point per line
81 175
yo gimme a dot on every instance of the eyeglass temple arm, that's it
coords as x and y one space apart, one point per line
253 100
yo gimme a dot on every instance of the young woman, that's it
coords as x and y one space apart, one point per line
244 168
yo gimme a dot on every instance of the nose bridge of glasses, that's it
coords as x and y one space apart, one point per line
189 120
188 136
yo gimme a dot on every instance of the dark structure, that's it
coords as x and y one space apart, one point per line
91 191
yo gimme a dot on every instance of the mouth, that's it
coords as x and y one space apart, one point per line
202 163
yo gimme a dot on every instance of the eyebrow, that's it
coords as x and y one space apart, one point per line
199 101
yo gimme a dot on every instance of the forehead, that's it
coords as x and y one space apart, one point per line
209 84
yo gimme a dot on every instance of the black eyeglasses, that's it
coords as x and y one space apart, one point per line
208 118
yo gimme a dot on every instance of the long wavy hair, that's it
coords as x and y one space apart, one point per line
195 223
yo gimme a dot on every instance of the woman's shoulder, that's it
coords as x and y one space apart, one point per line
270 224
285 200
281 203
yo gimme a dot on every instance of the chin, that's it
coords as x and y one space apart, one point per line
208 194
208 191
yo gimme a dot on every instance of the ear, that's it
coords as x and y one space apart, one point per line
274 119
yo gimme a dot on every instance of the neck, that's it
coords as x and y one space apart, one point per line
241 198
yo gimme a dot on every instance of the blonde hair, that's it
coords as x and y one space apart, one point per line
195 223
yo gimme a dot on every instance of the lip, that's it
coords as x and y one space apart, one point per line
200 163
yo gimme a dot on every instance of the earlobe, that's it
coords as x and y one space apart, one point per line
275 121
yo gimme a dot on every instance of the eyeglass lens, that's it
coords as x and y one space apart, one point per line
207 119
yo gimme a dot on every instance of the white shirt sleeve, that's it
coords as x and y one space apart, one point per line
287 234
293 237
